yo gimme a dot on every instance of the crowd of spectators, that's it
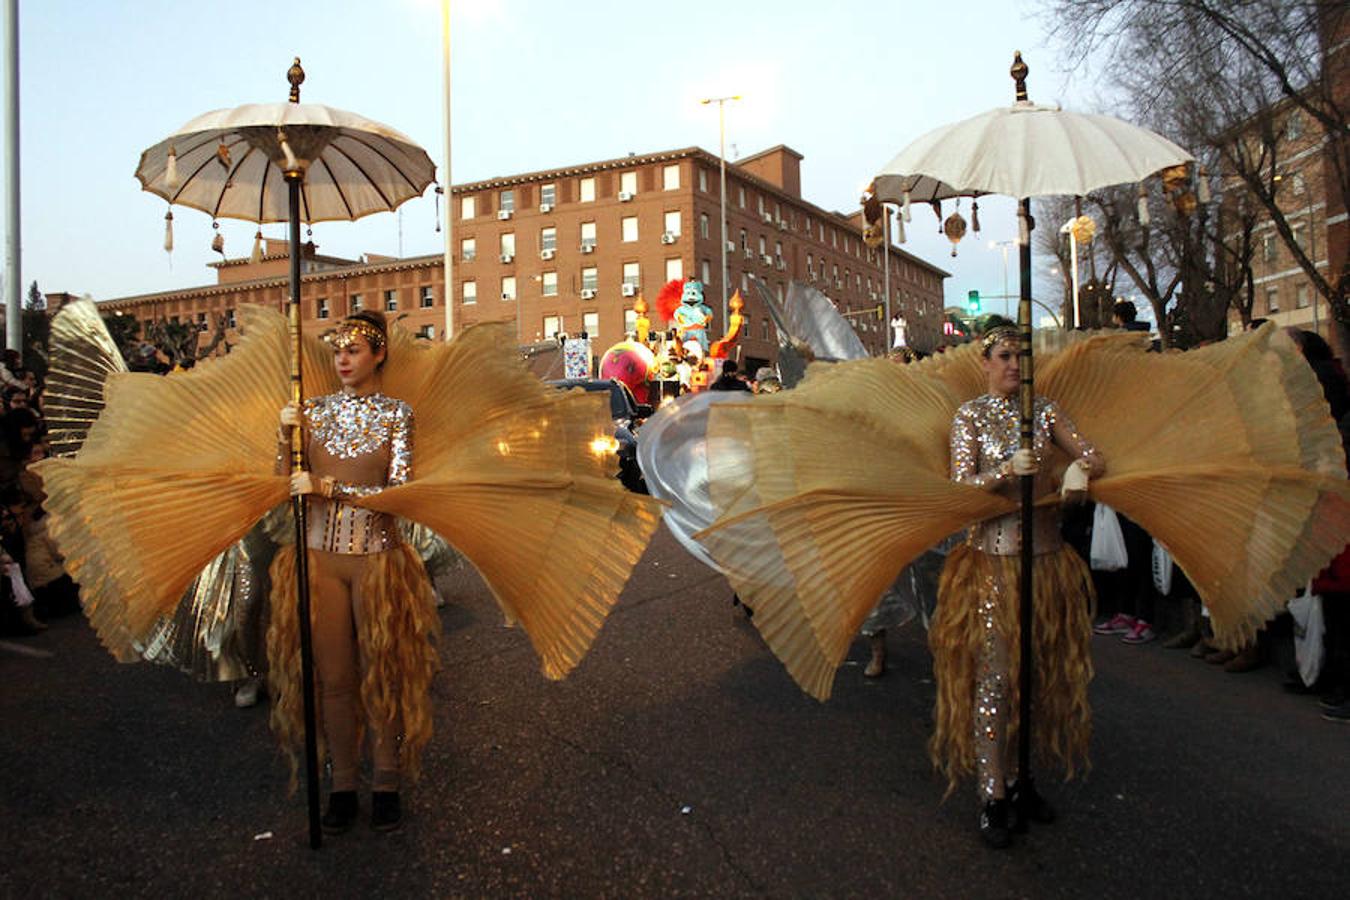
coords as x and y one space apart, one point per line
35 586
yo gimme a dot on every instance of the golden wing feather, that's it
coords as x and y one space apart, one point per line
832 489
173 472
1227 455
83 356
505 471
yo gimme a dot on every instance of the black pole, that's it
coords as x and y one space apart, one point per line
293 180
1027 396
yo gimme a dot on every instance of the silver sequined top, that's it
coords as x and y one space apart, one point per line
364 443
985 433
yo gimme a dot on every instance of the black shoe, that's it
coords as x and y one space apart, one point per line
1332 699
994 824
342 808
385 812
1029 805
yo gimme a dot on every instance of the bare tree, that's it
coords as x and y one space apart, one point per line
1231 80
181 342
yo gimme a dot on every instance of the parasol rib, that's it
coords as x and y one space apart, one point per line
337 187
360 168
382 155
229 181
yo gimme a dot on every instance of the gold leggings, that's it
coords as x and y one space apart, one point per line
339 664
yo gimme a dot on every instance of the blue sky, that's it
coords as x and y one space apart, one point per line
536 85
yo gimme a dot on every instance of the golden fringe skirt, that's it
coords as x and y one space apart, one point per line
980 590
397 640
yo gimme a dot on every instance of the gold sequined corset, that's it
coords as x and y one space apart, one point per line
985 434
365 445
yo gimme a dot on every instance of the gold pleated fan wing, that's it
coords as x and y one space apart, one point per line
513 475
1227 455
826 492
84 356
173 471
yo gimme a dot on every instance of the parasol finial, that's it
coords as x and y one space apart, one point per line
1018 72
296 76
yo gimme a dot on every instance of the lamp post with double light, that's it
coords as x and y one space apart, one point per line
722 191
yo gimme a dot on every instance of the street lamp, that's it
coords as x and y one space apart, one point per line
722 192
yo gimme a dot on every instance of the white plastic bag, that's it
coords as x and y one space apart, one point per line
1108 543
1309 631
22 596
1162 569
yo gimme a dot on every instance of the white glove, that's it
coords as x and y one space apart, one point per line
303 483
1075 483
290 416
1024 462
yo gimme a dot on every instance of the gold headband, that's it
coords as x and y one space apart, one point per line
341 336
998 335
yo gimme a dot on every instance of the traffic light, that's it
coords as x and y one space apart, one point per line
973 302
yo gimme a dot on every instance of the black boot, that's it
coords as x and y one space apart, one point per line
385 811
342 808
994 824
1029 805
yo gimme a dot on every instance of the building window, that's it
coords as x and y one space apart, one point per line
810 266
630 229
740 196
674 269
548 194
1298 183
1301 237
550 284
705 269
760 202
673 222
590 279
745 282
586 190
1301 296
201 322
468 292
588 234
628 183
764 329
1293 128
1268 249
230 320
321 308
632 274
703 180
468 249
703 225
629 321
552 325
745 240
670 178
590 323
506 201
428 297
834 238
508 244
548 239
763 245
508 287
1272 299
391 301
468 207
354 304
427 332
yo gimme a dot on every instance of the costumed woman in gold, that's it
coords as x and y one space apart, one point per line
507 471
374 612
975 635
820 495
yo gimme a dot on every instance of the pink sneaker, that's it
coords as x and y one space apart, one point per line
1117 624
1141 633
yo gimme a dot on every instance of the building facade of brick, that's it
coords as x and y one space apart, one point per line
572 249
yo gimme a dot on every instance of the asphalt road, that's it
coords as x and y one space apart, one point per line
679 759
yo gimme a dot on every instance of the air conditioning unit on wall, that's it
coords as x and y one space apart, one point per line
588 293
668 238
507 257
546 254
546 207
503 214
625 196
630 290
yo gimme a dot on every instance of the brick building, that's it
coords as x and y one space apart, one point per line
1311 197
571 249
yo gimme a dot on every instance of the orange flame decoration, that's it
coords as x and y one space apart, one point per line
720 348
